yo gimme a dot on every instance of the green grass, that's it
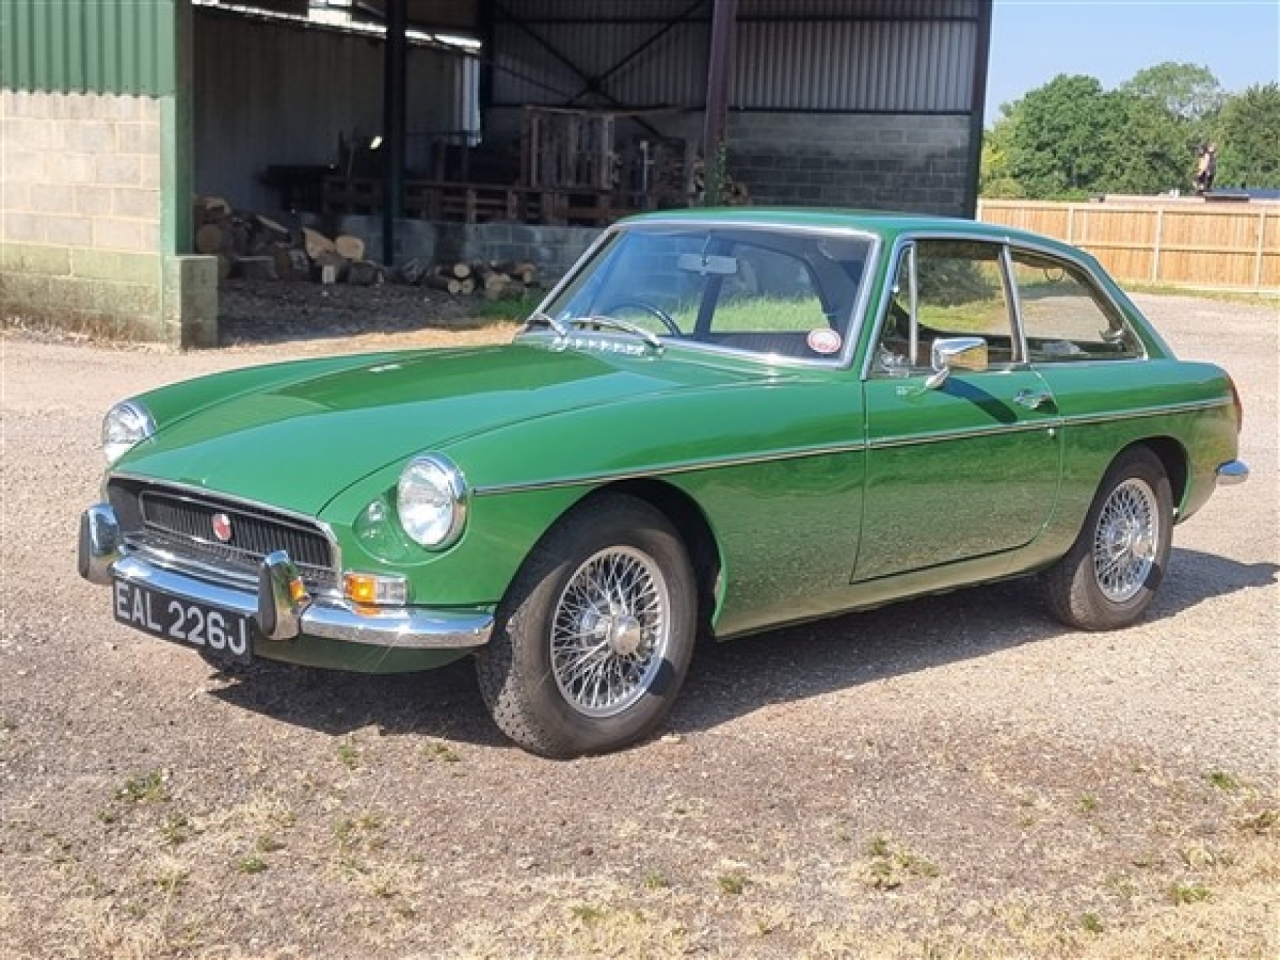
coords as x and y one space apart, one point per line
1183 893
732 883
653 880
348 754
440 752
144 788
1262 299
485 312
1223 781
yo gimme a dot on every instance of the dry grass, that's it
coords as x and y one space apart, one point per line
1163 865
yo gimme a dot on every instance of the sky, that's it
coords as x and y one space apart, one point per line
1032 41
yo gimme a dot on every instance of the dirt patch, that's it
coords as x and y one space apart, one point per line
954 777
260 312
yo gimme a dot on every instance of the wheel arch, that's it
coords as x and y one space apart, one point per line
694 530
1173 455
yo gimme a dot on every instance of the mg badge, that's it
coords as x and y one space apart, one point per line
222 527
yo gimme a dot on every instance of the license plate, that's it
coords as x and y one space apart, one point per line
222 634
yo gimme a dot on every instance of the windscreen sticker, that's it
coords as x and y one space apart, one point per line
825 341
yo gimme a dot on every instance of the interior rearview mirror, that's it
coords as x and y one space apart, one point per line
708 264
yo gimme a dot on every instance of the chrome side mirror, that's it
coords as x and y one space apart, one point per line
956 353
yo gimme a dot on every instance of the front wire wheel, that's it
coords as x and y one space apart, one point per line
594 637
610 631
1110 575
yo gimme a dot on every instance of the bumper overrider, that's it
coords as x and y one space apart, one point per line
1232 472
279 608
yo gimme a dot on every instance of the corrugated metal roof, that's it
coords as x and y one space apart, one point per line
105 46
599 11
911 56
906 67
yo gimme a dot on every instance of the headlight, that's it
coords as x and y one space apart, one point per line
431 499
125 425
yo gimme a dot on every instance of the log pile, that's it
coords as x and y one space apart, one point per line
255 247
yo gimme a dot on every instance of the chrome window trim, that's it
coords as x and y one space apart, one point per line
1010 244
1098 285
1015 303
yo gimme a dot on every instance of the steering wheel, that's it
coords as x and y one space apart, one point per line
651 309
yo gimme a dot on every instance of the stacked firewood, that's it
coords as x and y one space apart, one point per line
255 247
492 280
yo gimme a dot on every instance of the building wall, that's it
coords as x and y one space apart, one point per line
877 161
282 94
872 103
93 173
81 212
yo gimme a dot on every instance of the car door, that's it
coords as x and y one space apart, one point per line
962 465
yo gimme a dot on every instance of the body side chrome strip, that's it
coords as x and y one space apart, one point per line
1190 406
837 449
803 453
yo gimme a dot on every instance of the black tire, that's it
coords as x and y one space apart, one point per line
1110 575
562 675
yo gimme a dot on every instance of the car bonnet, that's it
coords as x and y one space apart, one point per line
299 443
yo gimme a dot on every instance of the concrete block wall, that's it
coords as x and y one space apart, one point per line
880 161
80 216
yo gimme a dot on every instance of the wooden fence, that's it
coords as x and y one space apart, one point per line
1225 245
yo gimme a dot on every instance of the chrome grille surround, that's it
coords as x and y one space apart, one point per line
173 526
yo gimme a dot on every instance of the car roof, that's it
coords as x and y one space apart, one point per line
885 223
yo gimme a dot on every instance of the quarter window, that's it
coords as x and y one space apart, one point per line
1065 316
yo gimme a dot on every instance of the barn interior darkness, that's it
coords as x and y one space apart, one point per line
575 112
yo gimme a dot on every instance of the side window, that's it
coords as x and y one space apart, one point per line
959 293
1064 316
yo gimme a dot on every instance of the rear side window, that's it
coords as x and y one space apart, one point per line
1065 317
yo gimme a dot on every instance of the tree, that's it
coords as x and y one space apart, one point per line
1056 148
1248 137
996 179
1188 92
1147 152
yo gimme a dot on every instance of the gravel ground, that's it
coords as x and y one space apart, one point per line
952 777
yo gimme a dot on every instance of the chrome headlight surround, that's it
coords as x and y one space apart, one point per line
126 425
431 501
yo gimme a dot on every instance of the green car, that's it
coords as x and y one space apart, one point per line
717 423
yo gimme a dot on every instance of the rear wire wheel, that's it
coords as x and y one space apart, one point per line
592 643
1110 575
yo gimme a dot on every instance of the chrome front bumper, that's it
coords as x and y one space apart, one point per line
1232 472
103 558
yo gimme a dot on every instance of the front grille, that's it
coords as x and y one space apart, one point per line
178 527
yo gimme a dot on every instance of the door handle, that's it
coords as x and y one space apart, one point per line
1033 399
